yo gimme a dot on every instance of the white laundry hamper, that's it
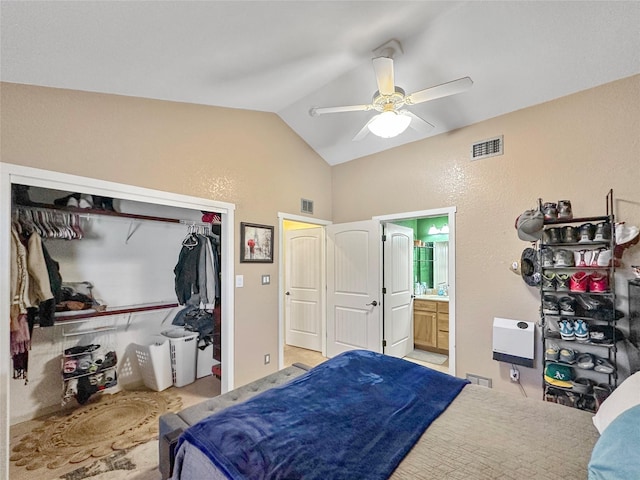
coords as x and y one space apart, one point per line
183 345
154 360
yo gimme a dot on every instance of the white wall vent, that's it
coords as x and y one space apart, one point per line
306 206
487 148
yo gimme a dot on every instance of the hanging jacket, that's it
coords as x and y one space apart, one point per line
186 272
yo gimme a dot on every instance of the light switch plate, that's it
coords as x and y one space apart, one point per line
266 279
239 281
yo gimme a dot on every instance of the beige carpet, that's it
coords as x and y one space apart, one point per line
111 423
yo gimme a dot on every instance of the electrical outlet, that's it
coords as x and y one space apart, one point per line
267 359
514 374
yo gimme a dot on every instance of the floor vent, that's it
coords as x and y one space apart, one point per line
306 206
487 148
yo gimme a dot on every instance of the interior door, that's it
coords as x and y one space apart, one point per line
354 313
398 278
303 276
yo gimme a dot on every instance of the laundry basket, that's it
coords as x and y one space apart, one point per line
182 344
154 360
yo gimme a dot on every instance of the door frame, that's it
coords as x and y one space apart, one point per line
450 212
281 284
10 174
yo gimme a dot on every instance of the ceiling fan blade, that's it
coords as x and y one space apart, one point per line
383 68
315 111
417 123
443 90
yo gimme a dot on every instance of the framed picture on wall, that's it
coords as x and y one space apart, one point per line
256 243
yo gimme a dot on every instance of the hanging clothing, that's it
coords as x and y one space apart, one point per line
197 271
186 270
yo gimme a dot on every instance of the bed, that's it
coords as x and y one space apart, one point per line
479 433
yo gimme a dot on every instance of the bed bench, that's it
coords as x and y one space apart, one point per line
173 424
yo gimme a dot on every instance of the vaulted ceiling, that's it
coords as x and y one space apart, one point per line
288 56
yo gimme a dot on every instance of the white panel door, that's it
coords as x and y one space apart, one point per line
354 313
398 279
303 275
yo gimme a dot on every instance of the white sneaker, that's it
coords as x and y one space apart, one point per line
86 201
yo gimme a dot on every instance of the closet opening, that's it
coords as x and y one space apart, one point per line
116 250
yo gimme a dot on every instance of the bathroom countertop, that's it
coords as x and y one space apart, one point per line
440 298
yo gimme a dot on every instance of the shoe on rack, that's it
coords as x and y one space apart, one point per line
552 236
585 361
567 306
570 234
603 366
564 210
548 281
582 258
592 303
567 355
563 258
603 232
562 282
550 305
607 314
566 330
586 233
581 330
601 257
598 282
579 282
550 211
552 352
547 257
72 201
582 385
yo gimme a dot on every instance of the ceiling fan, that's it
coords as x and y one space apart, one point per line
389 100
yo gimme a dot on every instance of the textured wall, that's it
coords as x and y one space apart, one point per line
248 158
576 148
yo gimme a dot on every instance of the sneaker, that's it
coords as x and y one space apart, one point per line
72 202
581 329
582 258
601 257
563 258
566 330
567 355
567 306
570 234
552 236
586 233
552 352
607 314
550 211
550 305
603 366
585 361
562 282
564 210
598 282
86 201
548 281
579 282
603 232
547 257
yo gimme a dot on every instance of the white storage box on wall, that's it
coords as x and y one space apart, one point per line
182 344
513 341
154 360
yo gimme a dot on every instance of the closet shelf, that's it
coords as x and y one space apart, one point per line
110 213
72 316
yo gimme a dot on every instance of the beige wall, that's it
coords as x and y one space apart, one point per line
576 148
251 159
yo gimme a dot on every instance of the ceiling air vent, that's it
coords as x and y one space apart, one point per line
487 148
306 206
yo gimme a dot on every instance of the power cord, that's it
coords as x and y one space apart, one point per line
514 374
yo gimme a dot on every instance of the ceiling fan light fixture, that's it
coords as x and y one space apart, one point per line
389 124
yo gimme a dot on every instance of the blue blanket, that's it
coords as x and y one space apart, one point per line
353 417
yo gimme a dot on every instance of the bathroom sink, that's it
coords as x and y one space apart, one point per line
441 298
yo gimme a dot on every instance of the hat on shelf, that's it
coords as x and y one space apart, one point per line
530 225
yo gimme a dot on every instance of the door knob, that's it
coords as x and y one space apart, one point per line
287 293
374 303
